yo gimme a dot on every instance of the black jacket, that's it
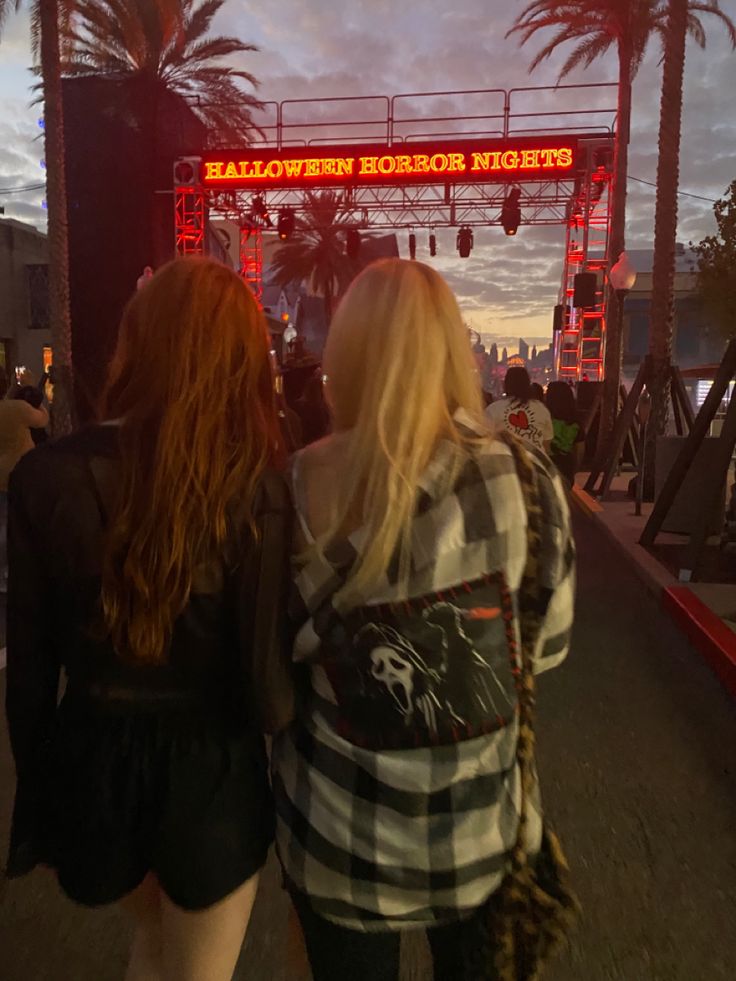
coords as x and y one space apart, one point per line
230 646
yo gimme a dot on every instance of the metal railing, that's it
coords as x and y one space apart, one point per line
399 118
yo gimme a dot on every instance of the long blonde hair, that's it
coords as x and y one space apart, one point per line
399 366
191 382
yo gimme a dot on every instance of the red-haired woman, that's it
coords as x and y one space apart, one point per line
147 560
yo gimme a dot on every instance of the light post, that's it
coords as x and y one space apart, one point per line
622 278
623 274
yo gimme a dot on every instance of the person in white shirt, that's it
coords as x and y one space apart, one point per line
519 413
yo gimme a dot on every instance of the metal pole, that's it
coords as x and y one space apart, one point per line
642 466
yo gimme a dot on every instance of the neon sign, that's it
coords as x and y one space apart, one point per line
471 160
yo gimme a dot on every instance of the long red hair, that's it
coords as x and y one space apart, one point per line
192 386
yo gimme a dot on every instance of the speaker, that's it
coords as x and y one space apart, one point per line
558 318
585 287
118 224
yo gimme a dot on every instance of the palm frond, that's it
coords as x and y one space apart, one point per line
198 22
165 41
5 8
715 10
586 53
548 49
218 47
696 30
596 26
316 253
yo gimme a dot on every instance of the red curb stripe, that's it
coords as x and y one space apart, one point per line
708 633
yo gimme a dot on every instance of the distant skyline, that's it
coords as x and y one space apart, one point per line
508 287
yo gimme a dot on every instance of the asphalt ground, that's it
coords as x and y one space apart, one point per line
636 755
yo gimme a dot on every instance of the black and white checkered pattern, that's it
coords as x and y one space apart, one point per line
401 838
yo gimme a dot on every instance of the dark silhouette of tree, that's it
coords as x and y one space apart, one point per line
717 267
315 254
665 218
164 44
596 27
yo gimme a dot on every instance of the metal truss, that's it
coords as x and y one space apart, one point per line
425 206
251 259
190 217
580 343
580 201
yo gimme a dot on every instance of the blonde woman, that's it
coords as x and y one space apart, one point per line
148 560
396 788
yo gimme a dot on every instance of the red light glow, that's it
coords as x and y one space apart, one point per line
471 160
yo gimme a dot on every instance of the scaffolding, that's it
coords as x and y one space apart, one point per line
251 258
580 344
190 215
579 200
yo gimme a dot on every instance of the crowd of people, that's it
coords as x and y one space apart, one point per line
549 422
377 603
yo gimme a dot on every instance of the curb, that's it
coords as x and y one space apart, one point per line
708 634
587 504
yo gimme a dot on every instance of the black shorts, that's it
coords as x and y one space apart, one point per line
178 794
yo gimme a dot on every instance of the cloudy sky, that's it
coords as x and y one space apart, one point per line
325 48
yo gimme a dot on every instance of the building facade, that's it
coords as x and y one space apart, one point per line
694 342
25 337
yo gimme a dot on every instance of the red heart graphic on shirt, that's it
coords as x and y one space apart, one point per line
519 420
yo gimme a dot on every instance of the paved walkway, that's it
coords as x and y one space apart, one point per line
637 762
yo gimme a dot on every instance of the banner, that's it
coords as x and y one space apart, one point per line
469 161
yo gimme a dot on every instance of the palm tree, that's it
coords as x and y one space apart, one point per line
679 18
163 44
315 254
46 47
596 26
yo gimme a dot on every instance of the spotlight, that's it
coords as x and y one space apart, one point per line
412 245
259 210
465 241
285 224
352 243
432 243
511 211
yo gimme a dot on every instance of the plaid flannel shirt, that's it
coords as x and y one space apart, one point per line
413 837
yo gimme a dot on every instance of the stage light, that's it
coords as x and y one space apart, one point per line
352 243
286 223
511 211
465 241
259 210
412 245
432 243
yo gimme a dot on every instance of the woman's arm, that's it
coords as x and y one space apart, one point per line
33 668
265 630
556 571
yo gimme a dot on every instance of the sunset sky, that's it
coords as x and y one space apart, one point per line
507 288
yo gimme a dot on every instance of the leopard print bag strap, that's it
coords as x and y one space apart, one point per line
536 906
